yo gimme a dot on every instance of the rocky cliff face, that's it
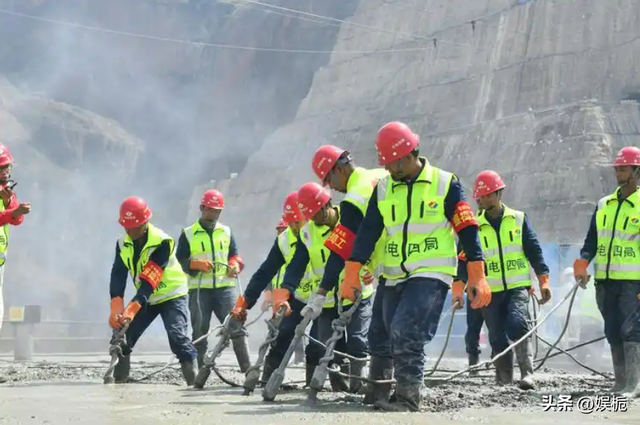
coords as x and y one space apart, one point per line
487 84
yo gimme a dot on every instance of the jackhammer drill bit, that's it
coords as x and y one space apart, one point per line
211 356
253 374
115 350
321 372
275 381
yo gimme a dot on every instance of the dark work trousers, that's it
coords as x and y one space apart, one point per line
286 332
507 317
218 301
174 317
410 313
474 327
354 341
620 307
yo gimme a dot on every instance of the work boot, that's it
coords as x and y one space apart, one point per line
525 362
189 371
617 357
270 365
504 369
355 385
121 371
473 360
379 369
408 398
632 362
241 348
340 383
309 369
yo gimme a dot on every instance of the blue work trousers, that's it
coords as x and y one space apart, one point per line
205 303
507 317
354 341
620 307
474 327
410 314
286 332
174 317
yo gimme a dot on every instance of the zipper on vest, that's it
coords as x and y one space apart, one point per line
626 221
511 236
405 230
422 209
393 213
613 233
324 260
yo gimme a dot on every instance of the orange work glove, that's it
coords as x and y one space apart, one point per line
267 300
580 271
234 268
351 282
130 312
457 293
201 265
545 291
478 289
239 311
280 297
117 308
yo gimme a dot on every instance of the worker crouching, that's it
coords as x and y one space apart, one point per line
147 254
612 243
509 245
275 266
208 253
422 208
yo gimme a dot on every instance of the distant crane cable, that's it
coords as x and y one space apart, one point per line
266 49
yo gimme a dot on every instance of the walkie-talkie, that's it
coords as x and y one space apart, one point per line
11 184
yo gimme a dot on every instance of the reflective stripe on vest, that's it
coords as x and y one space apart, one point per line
313 237
507 264
213 248
287 243
4 239
359 190
173 283
420 240
618 232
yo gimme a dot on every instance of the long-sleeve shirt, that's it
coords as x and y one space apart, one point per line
183 251
119 271
296 268
588 251
6 216
263 276
530 244
373 225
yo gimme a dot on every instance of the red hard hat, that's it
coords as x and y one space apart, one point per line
281 224
324 159
395 140
291 211
487 182
627 156
212 198
134 212
311 198
5 156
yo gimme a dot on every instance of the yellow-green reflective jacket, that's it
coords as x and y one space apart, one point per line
287 244
214 247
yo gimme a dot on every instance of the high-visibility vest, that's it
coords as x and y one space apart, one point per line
214 248
313 237
359 190
173 283
420 239
4 239
618 228
287 244
507 265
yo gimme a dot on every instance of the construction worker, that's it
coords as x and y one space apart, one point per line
509 245
147 254
208 253
422 208
280 256
11 213
612 244
335 168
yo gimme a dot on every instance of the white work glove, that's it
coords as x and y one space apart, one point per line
314 305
